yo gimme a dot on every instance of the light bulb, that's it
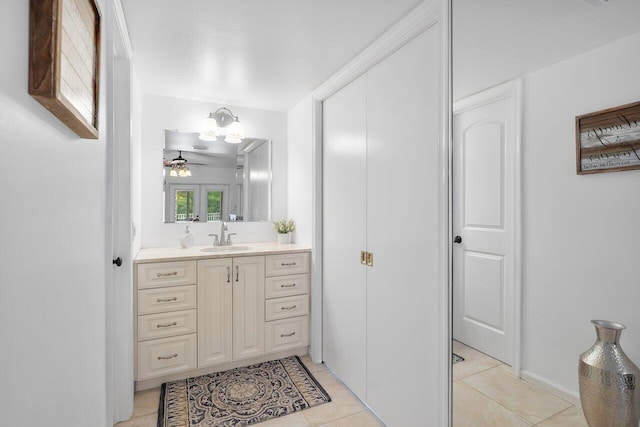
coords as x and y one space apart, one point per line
173 173
210 129
235 134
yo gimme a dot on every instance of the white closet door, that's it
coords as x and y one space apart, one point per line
403 122
344 232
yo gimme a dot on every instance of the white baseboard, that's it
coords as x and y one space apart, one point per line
550 387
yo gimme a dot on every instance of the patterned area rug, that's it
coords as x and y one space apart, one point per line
455 358
241 396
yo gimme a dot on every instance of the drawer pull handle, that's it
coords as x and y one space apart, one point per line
166 299
291 307
287 264
168 357
228 274
174 273
237 273
166 325
288 286
287 335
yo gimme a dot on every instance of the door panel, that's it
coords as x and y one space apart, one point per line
483 290
248 307
483 216
214 311
403 121
483 146
344 235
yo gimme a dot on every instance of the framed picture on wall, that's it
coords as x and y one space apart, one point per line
64 61
608 140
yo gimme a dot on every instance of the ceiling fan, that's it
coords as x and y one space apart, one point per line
176 161
178 165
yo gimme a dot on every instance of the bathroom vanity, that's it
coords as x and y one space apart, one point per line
205 309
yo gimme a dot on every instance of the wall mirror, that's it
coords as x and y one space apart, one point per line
206 181
502 325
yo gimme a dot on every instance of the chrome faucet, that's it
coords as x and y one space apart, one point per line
223 228
220 240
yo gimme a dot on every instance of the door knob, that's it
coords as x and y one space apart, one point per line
118 261
457 239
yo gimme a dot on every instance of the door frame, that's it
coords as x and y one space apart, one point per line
424 16
511 89
119 377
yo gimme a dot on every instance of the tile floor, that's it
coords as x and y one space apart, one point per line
486 394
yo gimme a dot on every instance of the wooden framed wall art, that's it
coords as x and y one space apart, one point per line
64 61
608 140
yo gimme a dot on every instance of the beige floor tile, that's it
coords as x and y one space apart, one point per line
343 403
330 382
572 417
150 420
312 367
520 397
296 419
146 402
473 409
474 361
361 419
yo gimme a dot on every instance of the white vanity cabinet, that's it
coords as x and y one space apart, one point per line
287 302
166 318
206 314
230 309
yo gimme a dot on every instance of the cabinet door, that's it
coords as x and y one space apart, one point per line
215 292
344 235
248 307
403 122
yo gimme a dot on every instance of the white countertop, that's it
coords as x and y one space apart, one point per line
196 252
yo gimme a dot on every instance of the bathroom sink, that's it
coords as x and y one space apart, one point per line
222 249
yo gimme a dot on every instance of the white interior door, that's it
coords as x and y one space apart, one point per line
484 221
119 292
344 235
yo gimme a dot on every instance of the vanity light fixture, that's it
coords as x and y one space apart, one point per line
222 118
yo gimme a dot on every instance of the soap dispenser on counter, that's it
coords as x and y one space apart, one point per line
186 239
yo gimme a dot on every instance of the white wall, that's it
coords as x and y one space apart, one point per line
580 233
52 252
160 113
299 168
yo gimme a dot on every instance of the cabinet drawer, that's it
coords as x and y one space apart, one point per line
278 265
283 286
286 334
283 308
153 326
161 300
167 356
166 274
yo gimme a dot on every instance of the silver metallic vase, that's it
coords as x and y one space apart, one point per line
609 380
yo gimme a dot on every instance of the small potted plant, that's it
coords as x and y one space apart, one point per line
284 228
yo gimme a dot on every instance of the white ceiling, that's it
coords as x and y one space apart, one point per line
264 54
270 54
498 40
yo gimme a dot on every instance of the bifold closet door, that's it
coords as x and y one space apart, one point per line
344 235
403 134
